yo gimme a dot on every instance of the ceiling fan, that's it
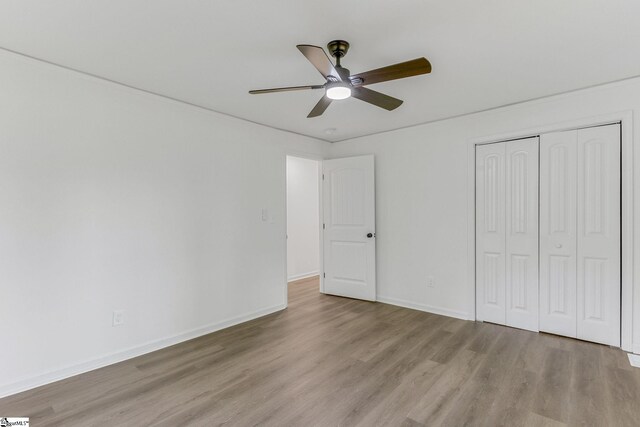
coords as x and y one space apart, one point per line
341 84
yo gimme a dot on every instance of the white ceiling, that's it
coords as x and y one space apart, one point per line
210 53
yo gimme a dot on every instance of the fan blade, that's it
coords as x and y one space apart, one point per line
376 98
283 89
320 107
392 72
317 56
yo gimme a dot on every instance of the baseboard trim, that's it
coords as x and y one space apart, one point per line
120 356
302 276
636 348
423 307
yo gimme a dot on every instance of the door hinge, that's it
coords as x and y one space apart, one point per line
324 275
323 177
323 226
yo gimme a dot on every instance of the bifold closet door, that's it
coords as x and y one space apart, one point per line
580 234
521 259
490 233
558 236
507 233
599 270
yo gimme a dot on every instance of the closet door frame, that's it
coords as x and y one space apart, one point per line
625 118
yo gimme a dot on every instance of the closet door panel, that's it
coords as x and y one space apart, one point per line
521 252
490 233
558 172
598 255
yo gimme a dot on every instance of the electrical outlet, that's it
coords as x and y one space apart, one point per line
265 214
118 317
430 282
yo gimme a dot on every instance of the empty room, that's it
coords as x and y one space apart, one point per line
292 213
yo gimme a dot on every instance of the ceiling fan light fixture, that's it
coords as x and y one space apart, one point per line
338 90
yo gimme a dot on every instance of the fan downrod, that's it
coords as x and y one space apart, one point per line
338 49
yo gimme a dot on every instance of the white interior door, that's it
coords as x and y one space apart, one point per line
598 256
558 238
490 233
349 227
521 253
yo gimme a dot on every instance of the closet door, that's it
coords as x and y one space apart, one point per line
490 233
598 256
558 239
580 234
521 253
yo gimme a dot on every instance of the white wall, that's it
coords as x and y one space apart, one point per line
422 194
303 252
111 198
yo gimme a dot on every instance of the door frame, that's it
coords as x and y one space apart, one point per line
625 118
318 158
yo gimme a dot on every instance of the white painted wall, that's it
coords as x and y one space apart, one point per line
303 250
112 198
422 194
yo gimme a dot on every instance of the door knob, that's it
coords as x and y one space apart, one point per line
558 245
369 235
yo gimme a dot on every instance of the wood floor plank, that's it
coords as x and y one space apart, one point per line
586 388
331 361
535 420
553 394
443 395
623 391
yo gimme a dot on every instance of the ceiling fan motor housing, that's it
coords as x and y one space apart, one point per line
344 73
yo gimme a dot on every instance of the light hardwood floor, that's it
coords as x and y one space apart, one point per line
328 361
